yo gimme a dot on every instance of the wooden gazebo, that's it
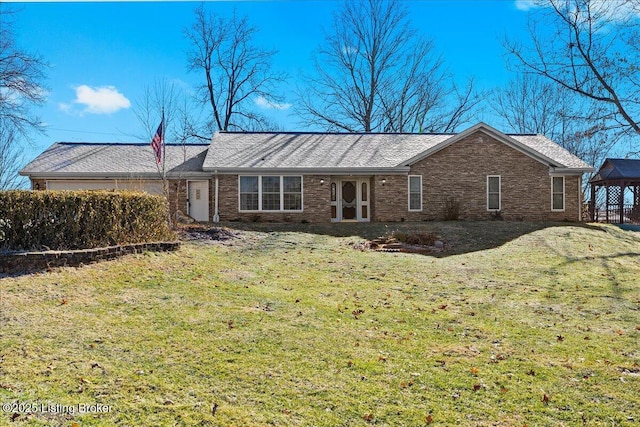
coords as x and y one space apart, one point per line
620 179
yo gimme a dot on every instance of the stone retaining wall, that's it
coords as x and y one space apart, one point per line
22 262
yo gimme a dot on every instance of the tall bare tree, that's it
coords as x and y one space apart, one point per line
532 104
236 71
165 99
21 77
374 72
591 48
10 158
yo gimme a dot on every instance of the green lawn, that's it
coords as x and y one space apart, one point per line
514 324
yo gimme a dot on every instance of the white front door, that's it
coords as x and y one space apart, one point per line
350 199
198 201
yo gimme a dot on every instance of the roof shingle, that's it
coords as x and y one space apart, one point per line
115 159
315 150
230 152
346 150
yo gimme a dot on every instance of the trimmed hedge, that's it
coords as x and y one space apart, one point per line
62 220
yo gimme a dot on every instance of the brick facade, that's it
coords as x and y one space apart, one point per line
316 202
38 184
391 198
177 196
460 171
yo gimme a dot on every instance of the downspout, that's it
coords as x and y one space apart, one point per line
580 198
592 205
216 215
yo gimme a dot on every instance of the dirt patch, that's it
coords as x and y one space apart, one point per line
207 234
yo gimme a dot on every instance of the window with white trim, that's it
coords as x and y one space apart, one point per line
493 193
292 191
249 193
557 193
270 193
415 192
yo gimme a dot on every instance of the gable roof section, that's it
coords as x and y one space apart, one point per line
74 159
618 169
363 153
538 147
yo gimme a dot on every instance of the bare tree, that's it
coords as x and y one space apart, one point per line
376 73
167 102
591 48
165 99
10 158
21 76
449 117
237 71
532 104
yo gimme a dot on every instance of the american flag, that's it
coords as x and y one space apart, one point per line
158 139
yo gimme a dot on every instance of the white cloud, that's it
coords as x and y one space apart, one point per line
63 106
99 100
264 103
525 5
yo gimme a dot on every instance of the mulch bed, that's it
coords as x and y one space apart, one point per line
204 233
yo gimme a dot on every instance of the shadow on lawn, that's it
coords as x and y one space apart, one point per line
459 237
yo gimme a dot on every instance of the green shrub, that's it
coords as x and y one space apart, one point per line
451 209
60 220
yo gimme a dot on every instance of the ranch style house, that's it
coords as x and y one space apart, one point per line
335 177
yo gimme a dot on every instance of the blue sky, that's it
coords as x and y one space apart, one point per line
103 54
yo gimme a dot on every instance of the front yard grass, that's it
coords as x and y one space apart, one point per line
514 324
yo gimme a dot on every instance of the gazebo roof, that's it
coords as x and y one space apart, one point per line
618 170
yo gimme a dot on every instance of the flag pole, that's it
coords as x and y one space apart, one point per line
164 147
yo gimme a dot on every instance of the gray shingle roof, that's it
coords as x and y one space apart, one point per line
261 151
352 151
71 158
550 149
315 150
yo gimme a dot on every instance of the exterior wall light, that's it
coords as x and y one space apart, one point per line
322 182
384 181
